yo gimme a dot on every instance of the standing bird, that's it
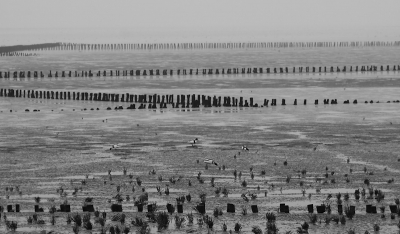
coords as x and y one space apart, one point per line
210 161
193 141
245 148
114 147
285 162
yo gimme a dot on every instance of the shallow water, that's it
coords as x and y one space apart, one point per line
218 58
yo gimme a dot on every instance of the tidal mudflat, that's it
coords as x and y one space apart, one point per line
46 152
68 154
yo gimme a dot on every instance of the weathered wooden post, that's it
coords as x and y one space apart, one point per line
183 100
230 208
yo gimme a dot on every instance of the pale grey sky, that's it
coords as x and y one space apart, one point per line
80 20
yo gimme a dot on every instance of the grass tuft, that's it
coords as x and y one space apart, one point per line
11 225
270 217
179 221
313 218
162 220
256 230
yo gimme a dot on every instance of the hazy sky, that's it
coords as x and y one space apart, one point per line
154 20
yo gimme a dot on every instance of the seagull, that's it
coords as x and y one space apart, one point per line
114 147
193 141
210 161
245 148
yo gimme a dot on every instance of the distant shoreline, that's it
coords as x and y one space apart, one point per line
8 49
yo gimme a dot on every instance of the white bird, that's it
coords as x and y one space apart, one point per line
245 148
114 147
210 161
193 141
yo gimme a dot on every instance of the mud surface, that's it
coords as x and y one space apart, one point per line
62 144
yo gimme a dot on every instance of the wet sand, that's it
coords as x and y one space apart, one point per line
41 151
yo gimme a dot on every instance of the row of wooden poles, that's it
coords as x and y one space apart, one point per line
17 54
151 101
164 72
217 45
